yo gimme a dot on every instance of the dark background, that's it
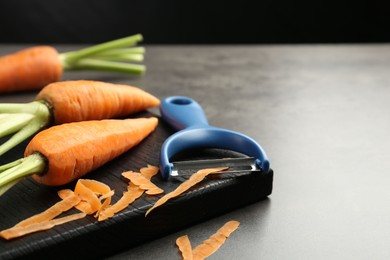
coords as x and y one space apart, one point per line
195 22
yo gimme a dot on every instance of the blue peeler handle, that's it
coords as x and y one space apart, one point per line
188 117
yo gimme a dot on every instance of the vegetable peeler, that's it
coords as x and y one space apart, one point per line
187 116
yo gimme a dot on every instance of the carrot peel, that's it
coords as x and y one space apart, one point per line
209 246
184 245
45 225
194 179
143 183
133 192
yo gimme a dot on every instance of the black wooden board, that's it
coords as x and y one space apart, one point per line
87 238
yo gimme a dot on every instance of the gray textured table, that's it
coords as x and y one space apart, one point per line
322 114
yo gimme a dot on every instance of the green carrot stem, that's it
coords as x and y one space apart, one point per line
22 124
10 165
10 123
74 56
33 164
3 189
28 108
120 57
28 130
121 51
95 64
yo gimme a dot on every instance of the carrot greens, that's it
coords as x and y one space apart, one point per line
22 120
108 56
13 172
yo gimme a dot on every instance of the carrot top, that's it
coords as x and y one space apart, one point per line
109 56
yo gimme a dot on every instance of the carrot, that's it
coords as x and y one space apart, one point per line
64 153
70 101
35 67
29 68
194 179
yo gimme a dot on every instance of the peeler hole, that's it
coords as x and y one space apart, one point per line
181 101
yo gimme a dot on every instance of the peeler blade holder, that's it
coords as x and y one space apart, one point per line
187 116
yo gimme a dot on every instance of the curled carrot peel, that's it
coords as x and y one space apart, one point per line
44 225
209 246
214 242
143 183
46 219
70 101
194 179
35 67
184 245
133 192
89 191
64 153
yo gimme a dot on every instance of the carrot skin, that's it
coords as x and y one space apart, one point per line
29 69
81 100
75 149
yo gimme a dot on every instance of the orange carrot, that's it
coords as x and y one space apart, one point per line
72 101
29 69
92 100
33 68
63 153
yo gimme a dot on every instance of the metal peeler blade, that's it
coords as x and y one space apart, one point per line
237 166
